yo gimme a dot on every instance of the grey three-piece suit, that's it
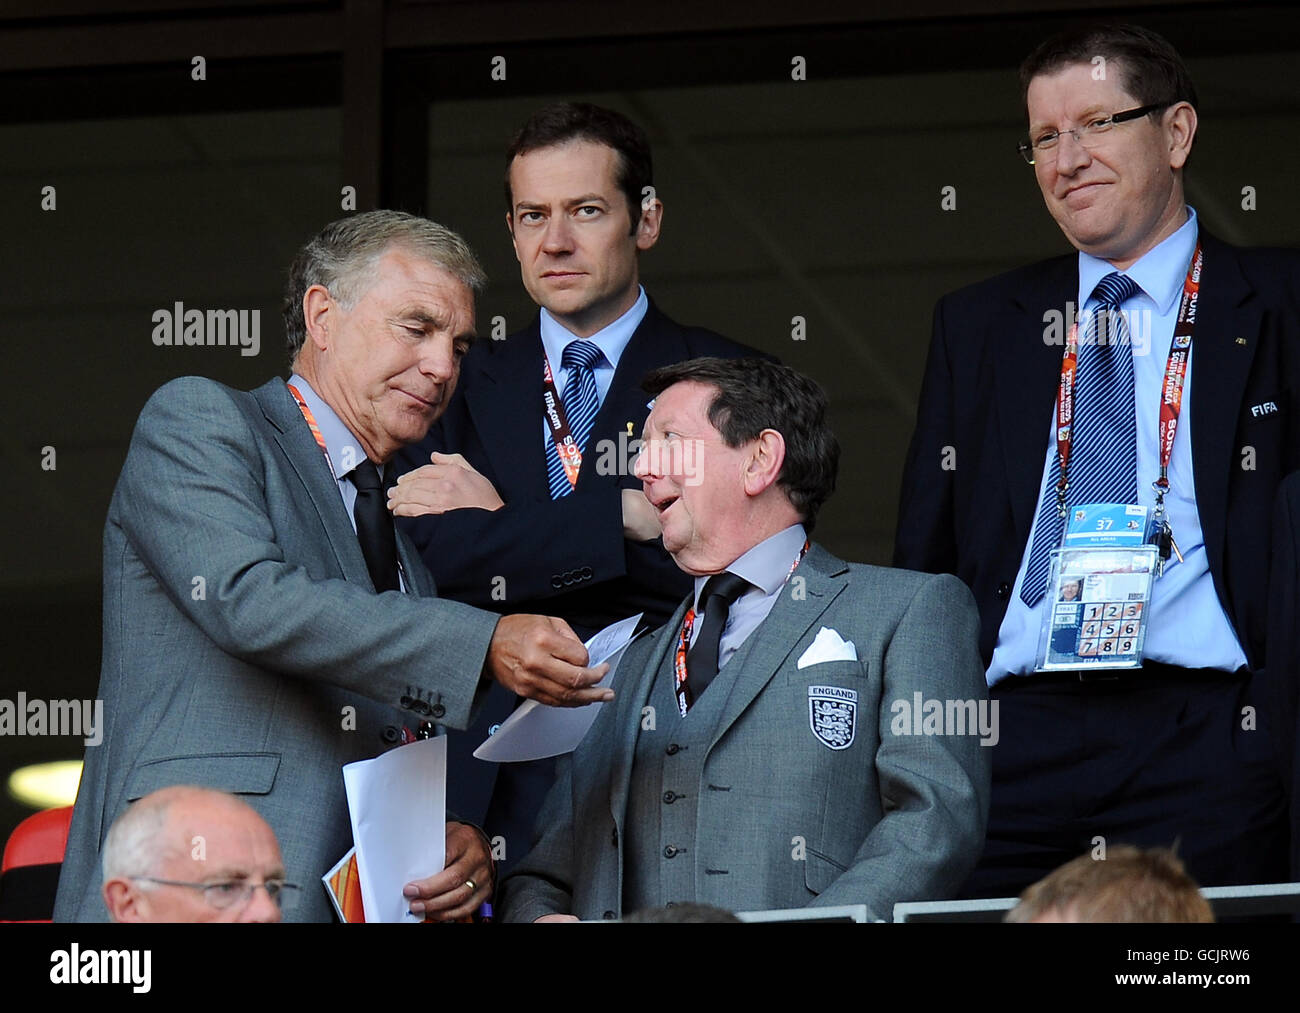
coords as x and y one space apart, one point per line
789 797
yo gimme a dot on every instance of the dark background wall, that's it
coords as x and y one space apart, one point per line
818 198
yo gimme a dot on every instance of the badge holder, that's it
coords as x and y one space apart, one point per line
1099 591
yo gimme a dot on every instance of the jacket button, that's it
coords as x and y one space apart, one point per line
672 749
586 573
420 706
557 581
670 851
390 734
670 797
609 916
438 710
1004 591
406 702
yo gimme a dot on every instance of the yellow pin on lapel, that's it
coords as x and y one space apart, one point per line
629 429
1241 341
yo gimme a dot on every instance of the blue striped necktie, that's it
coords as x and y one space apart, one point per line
1103 455
581 402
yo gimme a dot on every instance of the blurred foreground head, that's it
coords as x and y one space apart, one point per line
188 854
1128 885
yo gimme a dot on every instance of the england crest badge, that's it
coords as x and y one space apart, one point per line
832 715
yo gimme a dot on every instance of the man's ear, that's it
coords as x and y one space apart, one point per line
124 901
316 309
651 221
1180 128
765 460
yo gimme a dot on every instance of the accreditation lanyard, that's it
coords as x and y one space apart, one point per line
310 419
557 424
684 698
311 424
1171 390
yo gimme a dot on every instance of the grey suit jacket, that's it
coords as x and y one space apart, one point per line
244 645
894 816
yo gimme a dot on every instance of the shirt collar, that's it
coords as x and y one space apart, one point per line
344 450
1159 272
767 564
611 339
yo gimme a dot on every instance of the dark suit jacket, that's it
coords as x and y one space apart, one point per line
990 384
565 557
282 664
892 816
1281 712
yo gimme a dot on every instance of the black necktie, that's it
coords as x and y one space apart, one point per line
720 592
375 527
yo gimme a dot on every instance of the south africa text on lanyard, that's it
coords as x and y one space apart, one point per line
1171 399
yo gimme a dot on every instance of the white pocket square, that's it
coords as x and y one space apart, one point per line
828 646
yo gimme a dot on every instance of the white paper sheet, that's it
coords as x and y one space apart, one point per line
535 731
398 805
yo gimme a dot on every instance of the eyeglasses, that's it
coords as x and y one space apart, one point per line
1089 135
237 892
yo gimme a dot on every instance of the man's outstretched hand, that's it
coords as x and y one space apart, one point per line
541 658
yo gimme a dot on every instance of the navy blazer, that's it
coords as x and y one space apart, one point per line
990 384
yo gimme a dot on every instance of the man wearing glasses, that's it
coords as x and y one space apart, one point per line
188 854
1177 377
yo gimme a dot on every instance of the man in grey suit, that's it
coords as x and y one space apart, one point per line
767 747
262 624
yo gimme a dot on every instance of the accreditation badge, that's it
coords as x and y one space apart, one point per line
1098 591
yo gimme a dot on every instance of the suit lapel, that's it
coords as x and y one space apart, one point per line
771 644
1226 313
506 406
304 456
1027 376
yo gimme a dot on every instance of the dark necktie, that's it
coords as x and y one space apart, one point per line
581 402
1103 461
375 527
720 593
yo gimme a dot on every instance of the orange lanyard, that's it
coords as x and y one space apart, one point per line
311 424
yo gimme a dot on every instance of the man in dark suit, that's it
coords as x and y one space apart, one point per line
263 625
766 749
1171 751
497 518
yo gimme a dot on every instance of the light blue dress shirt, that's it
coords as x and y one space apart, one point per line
612 339
1188 626
766 566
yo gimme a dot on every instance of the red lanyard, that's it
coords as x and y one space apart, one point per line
684 699
558 423
1171 390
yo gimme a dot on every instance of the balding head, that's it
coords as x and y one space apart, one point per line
194 836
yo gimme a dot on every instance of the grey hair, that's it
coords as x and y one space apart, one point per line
343 255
